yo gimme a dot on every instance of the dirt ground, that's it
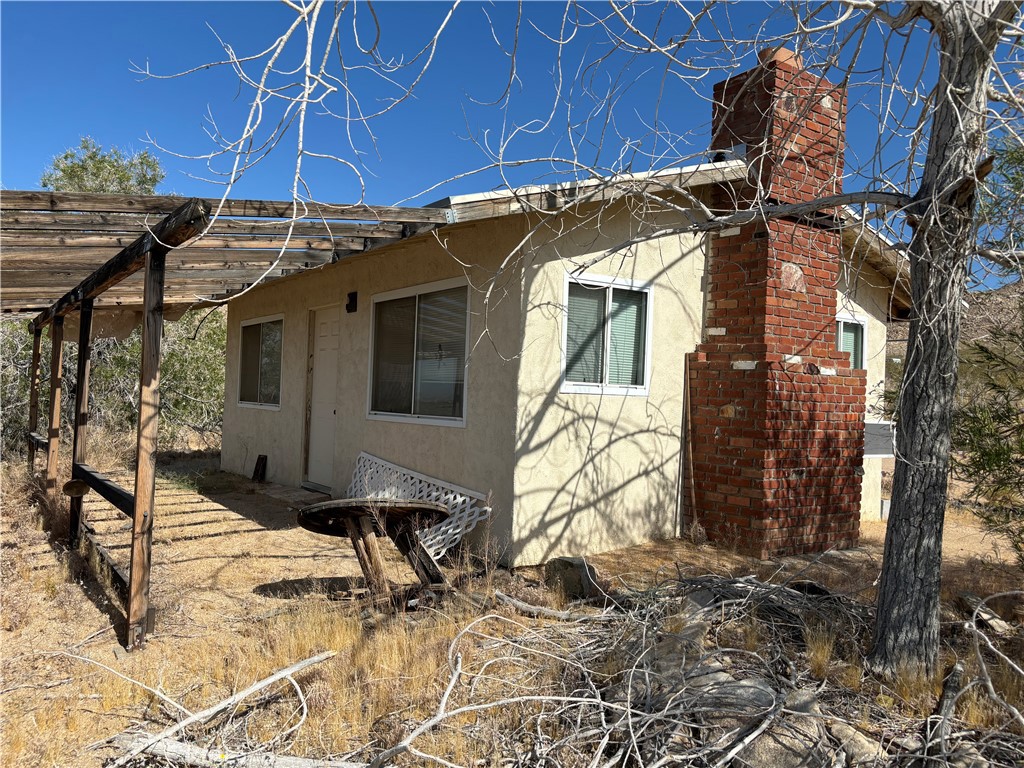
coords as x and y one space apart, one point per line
225 558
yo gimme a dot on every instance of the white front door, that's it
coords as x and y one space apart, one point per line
323 396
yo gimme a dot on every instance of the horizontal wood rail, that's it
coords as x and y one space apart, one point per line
106 569
11 200
105 487
37 440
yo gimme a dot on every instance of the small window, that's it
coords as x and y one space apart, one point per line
606 336
850 339
260 370
419 355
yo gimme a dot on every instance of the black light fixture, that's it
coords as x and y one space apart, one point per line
352 302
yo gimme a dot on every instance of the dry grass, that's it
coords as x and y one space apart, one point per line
242 593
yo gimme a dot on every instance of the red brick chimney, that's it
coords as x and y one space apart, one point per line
776 414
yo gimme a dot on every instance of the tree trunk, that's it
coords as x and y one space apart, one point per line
907 628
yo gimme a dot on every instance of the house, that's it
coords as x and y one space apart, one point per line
605 372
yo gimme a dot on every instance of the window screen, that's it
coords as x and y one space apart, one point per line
419 356
260 366
850 336
606 335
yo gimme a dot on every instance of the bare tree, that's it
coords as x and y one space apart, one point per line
941 80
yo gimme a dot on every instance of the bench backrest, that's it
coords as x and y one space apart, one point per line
375 478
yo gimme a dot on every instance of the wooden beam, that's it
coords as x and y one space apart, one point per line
183 224
145 469
107 570
122 499
56 384
65 229
42 258
37 440
33 398
78 451
230 243
67 202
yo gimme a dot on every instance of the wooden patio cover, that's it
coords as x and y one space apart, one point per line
52 241
78 253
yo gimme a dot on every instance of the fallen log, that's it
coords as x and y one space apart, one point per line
209 757
207 714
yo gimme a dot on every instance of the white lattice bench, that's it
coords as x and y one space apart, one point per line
375 478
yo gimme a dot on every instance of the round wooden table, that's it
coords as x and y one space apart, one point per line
362 520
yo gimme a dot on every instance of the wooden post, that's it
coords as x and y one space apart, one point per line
79 454
33 396
145 471
53 431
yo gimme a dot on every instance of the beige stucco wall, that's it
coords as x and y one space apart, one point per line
477 455
869 302
568 473
599 471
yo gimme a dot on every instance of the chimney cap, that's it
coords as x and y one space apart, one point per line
780 55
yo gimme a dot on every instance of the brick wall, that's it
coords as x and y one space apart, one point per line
776 414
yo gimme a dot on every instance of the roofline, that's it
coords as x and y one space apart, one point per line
881 254
504 202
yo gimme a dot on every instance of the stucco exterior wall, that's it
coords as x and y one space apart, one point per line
868 301
477 455
598 471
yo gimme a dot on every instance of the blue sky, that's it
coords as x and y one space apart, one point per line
65 73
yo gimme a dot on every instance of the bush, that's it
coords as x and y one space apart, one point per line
988 429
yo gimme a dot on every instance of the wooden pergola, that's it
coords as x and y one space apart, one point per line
78 254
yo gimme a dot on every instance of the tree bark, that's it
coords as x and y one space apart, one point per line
907 627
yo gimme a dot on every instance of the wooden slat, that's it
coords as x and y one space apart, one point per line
220 242
145 465
56 384
122 499
35 440
78 451
47 258
49 225
164 204
109 571
178 227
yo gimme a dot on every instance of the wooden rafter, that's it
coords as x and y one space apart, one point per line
53 241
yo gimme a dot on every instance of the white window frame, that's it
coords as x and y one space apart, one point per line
238 391
862 321
605 282
411 418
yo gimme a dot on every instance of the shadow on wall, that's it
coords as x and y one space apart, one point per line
597 471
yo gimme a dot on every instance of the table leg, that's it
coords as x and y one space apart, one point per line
373 551
372 570
422 563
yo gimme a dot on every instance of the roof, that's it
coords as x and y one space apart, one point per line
54 241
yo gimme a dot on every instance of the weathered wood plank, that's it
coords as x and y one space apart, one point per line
231 244
107 570
51 225
121 498
163 204
56 384
178 227
34 440
145 464
48 258
79 444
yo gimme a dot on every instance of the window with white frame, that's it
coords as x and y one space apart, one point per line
606 336
850 339
419 353
259 377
